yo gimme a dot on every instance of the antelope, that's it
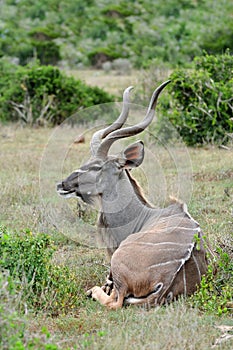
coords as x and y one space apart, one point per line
156 254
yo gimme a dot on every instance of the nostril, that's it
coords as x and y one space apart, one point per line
59 186
64 185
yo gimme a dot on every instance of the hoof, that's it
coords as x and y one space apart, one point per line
89 293
93 292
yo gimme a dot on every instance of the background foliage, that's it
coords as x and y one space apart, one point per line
108 35
43 286
201 100
38 94
89 33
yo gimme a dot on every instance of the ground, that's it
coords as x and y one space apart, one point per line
91 326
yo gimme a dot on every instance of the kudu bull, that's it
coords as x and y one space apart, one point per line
157 254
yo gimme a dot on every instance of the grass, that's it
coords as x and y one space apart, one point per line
90 326
113 82
166 328
116 81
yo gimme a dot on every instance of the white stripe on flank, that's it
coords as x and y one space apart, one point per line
180 227
180 266
164 218
185 208
157 244
184 281
199 273
167 263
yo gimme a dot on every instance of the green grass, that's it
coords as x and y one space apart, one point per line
91 326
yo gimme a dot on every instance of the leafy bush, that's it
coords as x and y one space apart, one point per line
45 49
43 94
103 54
42 285
202 101
13 326
171 31
47 52
26 255
215 294
219 39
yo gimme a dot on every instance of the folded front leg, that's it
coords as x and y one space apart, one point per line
112 301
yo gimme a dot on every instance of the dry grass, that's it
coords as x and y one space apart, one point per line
91 326
175 327
114 83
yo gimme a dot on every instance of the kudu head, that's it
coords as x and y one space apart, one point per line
103 171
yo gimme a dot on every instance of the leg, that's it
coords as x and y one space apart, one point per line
112 301
108 286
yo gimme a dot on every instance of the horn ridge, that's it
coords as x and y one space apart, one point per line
132 130
117 124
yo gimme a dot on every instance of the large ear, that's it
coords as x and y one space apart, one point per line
133 155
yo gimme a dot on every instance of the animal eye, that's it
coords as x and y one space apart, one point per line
96 168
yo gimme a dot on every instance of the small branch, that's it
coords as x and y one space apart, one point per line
201 109
45 109
17 107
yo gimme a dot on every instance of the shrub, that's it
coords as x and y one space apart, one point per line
43 286
13 326
219 39
26 255
202 101
47 51
101 55
215 292
43 94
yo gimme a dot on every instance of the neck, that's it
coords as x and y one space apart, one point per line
124 211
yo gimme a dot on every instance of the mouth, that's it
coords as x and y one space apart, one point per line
65 193
73 193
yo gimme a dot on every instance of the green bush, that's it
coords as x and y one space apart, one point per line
103 54
172 31
215 293
219 39
202 101
45 49
14 334
11 325
46 52
43 285
43 94
26 255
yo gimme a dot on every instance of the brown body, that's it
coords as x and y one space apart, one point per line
156 254
158 264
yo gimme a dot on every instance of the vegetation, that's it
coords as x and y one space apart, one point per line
174 35
215 292
91 33
13 325
199 103
43 295
42 95
201 100
43 276
43 286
